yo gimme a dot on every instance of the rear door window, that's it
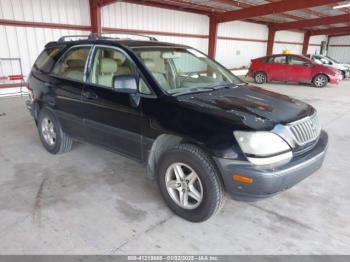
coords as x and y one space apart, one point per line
279 59
295 60
72 64
46 59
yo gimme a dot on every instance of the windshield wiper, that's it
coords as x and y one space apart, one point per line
194 90
227 85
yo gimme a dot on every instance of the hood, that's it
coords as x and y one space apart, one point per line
254 107
347 66
328 69
338 66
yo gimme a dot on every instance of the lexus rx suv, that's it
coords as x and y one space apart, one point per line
198 128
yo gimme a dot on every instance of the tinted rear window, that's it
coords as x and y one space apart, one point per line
265 59
46 59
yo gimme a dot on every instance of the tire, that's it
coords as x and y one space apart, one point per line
320 80
343 74
53 138
202 176
260 78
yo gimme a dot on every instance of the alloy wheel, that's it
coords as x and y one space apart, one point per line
48 131
320 81
184 186
260 78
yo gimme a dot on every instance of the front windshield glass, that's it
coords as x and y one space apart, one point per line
333 60
182 70
322 60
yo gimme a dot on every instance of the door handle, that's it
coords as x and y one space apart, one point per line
90 95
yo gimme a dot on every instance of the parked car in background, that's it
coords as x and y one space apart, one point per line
326 60
292 68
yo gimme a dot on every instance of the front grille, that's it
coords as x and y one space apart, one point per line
305 130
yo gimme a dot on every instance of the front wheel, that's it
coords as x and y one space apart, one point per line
320 80
189 183
260 78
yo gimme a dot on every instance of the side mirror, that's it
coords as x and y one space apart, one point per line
125 84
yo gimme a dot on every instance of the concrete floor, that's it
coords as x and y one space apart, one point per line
91 201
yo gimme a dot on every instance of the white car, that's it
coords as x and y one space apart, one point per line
326 60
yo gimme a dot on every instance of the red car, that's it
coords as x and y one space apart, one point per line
292 68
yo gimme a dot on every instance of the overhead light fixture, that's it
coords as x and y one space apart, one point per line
341 6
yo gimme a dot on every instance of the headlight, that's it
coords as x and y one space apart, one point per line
263 148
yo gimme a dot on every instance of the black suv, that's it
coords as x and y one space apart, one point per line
198 128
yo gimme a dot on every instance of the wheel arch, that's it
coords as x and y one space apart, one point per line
322 73
263 72
163 143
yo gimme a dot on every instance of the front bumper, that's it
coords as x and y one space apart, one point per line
335 79
347 73
29 106
268 181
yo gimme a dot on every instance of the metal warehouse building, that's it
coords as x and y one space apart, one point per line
93 201
26 26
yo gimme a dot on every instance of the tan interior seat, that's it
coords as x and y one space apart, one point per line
75 69
160 77
123 69
108 69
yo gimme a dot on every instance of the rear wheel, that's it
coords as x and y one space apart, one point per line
53 138
320 80
260 78
189 183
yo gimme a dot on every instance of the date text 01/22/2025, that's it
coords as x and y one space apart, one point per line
173 258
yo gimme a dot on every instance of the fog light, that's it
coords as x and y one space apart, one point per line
242 179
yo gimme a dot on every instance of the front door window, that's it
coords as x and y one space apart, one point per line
108 63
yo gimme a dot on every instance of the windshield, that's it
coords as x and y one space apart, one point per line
333 60
183 70
322 60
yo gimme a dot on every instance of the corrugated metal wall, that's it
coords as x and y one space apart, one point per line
131 16
315 44
339 48
239 42
27 42
295 38
63 11
293 41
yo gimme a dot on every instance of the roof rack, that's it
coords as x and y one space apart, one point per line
66 37
95 36
150 38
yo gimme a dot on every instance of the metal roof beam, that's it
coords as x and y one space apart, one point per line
271 8
247 5
169 4
332 31
313 22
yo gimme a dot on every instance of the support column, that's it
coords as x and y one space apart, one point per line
213 36
95 16
306 42
270 40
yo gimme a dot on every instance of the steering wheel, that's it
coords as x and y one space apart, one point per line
187 77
